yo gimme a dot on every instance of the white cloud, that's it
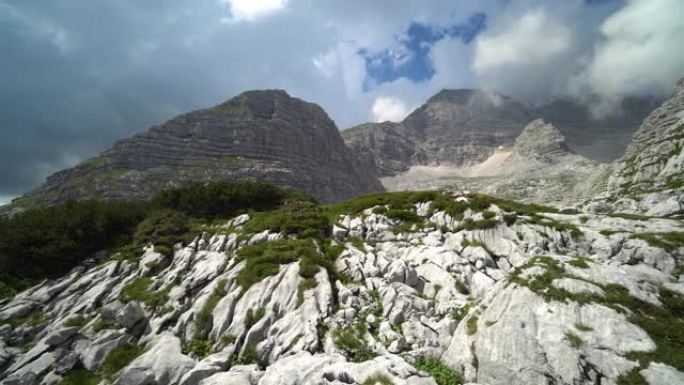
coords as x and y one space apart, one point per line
641 50
531 39
388 109
249 10
5 199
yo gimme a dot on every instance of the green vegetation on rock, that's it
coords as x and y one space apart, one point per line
442 374
119 358
81 377
139 290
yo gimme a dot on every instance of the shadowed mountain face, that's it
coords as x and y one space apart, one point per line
465 127
258 135
603 139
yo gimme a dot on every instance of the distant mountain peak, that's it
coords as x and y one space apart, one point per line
542 141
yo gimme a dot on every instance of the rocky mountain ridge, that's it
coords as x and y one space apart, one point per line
258 135
538 168
422 287
464 127
649 178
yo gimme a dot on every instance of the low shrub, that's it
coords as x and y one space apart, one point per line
442 374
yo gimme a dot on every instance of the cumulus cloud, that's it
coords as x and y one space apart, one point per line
531 39
249 10
389 109
640 49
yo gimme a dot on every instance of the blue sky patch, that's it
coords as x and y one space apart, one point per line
409 58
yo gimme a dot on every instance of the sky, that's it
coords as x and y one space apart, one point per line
77 75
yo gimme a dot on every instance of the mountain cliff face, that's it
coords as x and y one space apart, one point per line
538 168
464 127
410 289
455 127
649 178
260 135
599 138
541 141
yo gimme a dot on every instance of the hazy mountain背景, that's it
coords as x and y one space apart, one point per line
169 268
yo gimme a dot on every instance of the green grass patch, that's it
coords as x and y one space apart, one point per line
633 377
669 242
81 377
119 358
249 356
203 317
573 339
228 339
304 285
579 262
197 347
460 313
349 340
583 327
442 374
378 379
254 316
301 218
471 325
77 320
665 325
139 290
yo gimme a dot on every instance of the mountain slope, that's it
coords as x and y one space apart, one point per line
649 178
261 135
464 127
407 288
538 168
454 127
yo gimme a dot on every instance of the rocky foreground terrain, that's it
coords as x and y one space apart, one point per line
258 135
407 288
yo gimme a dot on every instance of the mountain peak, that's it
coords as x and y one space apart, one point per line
542 141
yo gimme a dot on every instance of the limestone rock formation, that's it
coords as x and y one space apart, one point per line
649 178
539 167
541 141
455 127
499 292
258 135
464 127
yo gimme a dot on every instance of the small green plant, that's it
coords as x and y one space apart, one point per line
81 377
228 339
460 313
304 285
583 328
119 358
574 340
488 214
442 374
633 377
77 320
510 219
139 290
461 287
378 379
348 340
102 324
254 317
249 356
579 263
471 325
203 316
197 347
